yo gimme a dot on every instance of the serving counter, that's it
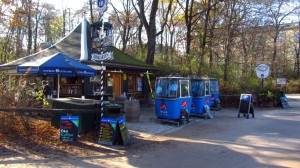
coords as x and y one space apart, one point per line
87 121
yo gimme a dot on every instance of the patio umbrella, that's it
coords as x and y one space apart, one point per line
57 65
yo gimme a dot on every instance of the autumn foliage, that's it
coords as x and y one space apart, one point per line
23 126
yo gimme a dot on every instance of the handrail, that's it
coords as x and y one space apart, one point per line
49 111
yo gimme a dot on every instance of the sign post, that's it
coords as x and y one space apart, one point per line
262 71
102 4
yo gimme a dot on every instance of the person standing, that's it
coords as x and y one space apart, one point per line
46 89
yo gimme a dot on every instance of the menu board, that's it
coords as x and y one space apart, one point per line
245 102
210 114
124 131
107 131
69 128
284 102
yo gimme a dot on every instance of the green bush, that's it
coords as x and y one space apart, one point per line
293 86
270 94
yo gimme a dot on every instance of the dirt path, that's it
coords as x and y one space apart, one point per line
272 139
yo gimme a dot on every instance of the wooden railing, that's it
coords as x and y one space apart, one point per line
49 111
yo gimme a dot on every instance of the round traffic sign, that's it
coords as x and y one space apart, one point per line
262 71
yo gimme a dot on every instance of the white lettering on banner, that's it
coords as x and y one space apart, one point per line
102 57
56 71
84 72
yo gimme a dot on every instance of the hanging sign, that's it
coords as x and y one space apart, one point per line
102 57
262 71
101 3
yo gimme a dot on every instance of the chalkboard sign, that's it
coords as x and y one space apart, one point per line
113 131
210 114
69 128
245 102
284 102
107 131
125 138
246 105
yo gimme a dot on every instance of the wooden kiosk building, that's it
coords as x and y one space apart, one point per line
122 72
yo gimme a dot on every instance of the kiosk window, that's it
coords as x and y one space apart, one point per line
131 83
139 83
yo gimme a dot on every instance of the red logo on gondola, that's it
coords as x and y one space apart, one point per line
206 101
184 103
212 98
193 104
163 106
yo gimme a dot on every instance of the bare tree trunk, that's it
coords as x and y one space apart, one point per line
151 26
35 33
7 44
274 56
211 59
203 42
64 22
140 35
227 55
188 15
229 36
297 53
37 18
29 28
172 46
297 61
166 46
91 11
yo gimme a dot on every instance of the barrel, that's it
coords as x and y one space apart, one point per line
120 100
132 109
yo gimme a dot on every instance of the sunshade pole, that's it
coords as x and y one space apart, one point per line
101 87
58 85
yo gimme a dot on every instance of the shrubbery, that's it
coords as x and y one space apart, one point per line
18 94
293 86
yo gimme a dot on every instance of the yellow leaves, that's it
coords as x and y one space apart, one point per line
14 22
6 2
30 129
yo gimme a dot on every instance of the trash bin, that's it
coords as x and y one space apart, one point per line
132 109
120 100
112 110
87 121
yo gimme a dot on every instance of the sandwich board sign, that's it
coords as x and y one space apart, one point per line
246 106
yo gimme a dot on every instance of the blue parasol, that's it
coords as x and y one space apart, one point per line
57 65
